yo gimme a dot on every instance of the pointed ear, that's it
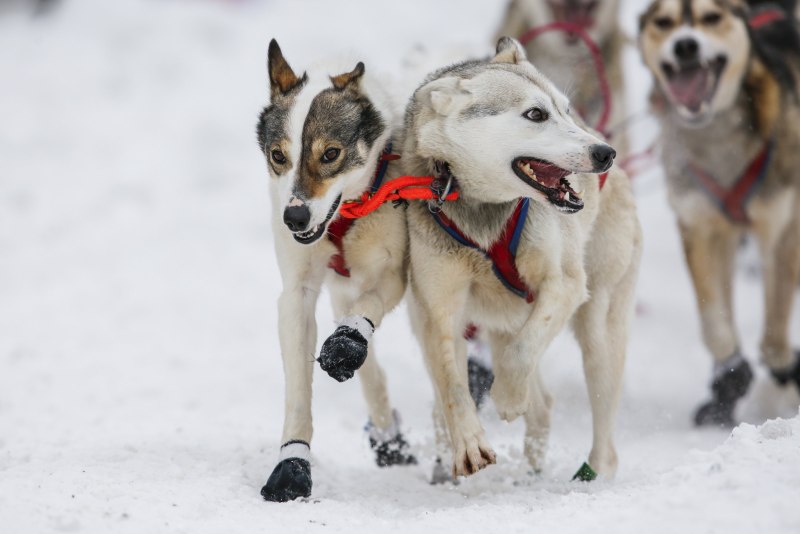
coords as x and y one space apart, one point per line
282 78
349 79
448 95
509 51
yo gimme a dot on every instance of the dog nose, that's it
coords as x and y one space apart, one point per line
602 156
297 217
687 49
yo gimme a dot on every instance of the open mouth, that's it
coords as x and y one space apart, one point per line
313 234
551 180
581 14
692 86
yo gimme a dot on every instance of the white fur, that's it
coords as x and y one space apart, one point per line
295 450
358 323
375 251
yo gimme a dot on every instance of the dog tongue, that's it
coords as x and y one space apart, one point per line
688 88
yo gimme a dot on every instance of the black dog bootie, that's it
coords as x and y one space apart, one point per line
345 351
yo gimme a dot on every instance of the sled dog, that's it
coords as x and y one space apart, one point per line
726 96
545 233
564 58
325 135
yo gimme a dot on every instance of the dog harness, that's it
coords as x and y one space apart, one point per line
503 252
339 227
732 201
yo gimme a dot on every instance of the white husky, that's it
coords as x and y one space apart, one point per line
323 138
535 240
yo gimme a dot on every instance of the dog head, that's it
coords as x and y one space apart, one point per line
321 136
597 17
505 131
698 51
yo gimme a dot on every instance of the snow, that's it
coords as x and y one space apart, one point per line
141 387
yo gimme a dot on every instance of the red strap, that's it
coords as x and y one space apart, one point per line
736 197
733 201
336 232
504 259
502 253
603 177
402 188
597 58
767 16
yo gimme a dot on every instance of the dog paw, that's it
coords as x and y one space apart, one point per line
510 401
471 454
784 377
392 452
290 480
345 351
726 390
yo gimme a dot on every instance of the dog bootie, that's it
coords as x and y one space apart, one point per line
479 365
389 445
732 379
786 376
291 478
346 349
480 379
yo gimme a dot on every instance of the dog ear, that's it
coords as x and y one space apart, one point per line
509 51
282 78
447 95
349 79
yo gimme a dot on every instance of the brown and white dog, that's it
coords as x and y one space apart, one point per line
726 93
565 59
324 135
532 245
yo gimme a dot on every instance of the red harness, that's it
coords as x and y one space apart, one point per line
341 225
733 201
503 252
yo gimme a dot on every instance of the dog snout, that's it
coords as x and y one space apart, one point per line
297 217
602 157
687 50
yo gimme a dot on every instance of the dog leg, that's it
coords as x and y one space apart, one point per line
537 422
438 331
385 437
346 349
780 252
515 359
601 327
710 255
297 329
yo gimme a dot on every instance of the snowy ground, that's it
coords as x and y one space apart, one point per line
140 382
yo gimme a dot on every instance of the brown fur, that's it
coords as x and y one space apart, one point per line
762 110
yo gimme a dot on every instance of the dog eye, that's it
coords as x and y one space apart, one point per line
536 115
710 19
278 157
330 155
663 23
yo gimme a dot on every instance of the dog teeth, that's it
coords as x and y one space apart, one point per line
566 196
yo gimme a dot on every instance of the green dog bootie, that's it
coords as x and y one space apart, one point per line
585 473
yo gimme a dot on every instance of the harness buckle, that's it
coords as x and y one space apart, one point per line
439 191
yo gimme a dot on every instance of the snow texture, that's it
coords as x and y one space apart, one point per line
141 387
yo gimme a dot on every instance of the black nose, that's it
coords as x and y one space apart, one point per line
687 49
602 157
297 217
